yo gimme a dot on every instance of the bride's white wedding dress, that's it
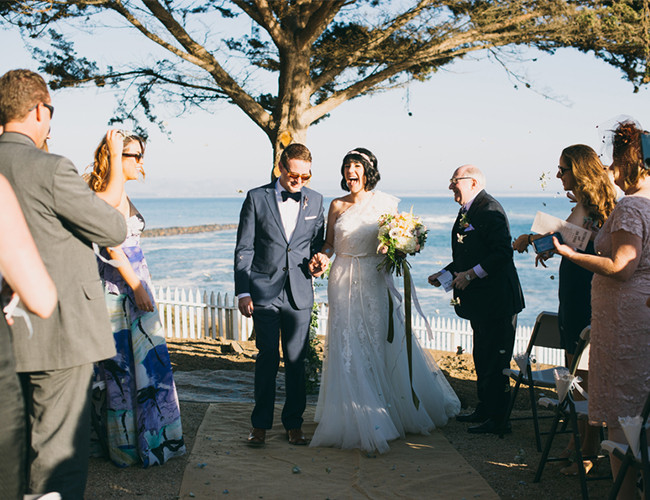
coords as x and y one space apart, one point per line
365 393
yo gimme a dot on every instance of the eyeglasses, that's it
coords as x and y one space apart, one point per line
454 180
48 106
295 176
138 156
562 170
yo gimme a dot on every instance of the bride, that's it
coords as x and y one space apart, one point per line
365 396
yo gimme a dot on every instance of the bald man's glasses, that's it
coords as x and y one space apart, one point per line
454 180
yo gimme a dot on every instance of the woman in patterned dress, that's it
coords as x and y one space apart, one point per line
137 415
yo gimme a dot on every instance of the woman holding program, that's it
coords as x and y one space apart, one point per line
586 182
620 325
137 415
365 396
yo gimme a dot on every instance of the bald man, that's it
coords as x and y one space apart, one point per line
486 292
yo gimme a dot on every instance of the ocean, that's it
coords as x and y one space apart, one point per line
205 260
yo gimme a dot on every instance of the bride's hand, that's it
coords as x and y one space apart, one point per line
318 264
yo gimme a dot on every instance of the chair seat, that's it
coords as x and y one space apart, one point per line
582 407
541 378
610 446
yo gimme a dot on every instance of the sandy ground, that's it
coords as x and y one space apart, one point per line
508 465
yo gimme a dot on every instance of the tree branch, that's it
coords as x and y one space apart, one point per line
204 59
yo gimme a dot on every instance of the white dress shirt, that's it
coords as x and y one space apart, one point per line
289 210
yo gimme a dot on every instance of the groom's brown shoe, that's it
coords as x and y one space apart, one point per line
257 437
296 437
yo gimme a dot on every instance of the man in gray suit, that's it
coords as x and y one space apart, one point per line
279 238
65 217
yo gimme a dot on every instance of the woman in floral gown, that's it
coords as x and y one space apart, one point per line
365 396
136 411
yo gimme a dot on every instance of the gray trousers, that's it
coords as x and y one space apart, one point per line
12 418
58 412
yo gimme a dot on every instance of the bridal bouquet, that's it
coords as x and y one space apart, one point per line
399 236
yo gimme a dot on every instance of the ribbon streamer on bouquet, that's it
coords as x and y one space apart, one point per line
111 262
410 297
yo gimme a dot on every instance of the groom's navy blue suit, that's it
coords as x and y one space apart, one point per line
274 271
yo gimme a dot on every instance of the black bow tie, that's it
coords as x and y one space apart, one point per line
286 195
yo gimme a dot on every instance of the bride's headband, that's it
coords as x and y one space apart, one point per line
363 155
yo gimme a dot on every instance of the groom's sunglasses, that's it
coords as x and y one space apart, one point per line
294 175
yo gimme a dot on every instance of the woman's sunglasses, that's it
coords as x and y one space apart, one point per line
138 156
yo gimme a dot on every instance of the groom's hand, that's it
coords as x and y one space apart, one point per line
318 264
246 306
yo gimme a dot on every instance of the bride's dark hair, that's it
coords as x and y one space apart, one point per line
370 168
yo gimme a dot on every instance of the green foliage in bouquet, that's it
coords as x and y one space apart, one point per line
399 236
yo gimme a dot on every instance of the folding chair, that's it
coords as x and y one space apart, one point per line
625 454
567 412
546 333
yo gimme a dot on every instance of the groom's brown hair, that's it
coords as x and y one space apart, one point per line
295 151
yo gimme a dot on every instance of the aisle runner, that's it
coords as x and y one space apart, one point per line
222 465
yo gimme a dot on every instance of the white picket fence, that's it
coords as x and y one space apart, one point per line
192 314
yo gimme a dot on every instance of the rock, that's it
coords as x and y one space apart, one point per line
231 347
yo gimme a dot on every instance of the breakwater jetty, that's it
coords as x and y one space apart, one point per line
173 231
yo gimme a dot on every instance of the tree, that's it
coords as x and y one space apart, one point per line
322 52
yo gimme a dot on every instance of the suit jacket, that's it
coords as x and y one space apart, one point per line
64 217
486 241
265 259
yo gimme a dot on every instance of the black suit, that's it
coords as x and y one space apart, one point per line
490 303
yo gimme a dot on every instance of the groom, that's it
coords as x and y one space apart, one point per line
280 232
487 293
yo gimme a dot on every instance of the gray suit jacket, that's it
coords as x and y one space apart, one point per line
265 259
64 217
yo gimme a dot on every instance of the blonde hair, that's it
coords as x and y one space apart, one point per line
593 188
97 178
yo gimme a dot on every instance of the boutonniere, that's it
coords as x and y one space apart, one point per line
305 202
463 221
460 238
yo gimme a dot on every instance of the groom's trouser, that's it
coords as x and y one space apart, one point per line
280 316
494 340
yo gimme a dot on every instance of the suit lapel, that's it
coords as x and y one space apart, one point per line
476 204
275 211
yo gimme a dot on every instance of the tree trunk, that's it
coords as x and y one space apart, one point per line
294 95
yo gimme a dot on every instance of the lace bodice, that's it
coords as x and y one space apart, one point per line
355 231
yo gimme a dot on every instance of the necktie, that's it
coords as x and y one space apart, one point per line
286 195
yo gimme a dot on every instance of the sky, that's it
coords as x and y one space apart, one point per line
469 112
